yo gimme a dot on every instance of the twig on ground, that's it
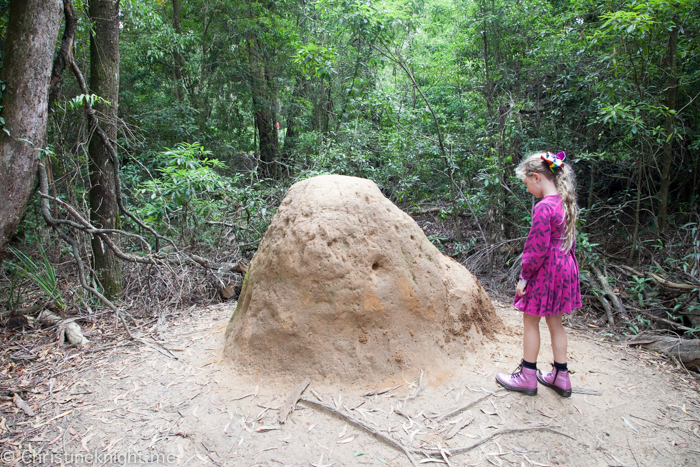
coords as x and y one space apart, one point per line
360 424
463 408
503 431
610 292
291 401
415 393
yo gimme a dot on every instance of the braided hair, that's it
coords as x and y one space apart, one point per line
565 182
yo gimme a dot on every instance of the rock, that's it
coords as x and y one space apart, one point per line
345 284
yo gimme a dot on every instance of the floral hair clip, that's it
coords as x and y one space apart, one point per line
554 160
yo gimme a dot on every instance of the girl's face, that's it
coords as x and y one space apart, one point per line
532 182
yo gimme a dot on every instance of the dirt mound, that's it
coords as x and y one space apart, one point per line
346 284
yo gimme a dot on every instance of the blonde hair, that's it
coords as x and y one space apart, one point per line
565 181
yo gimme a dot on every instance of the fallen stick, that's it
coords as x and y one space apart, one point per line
664 320
685 350
608 309
463 408
503 431
378 392
415 394
672 285
242 397
610 292
26 408
53 418
68 330
23 311
586 391
458 426
360 424
156 346
292 399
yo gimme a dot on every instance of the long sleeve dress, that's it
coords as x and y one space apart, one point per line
551 274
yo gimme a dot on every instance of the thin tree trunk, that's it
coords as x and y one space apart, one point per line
668 145
177 56
635 234
328 108
591 183
31 33
104 82
292 124
64 54
263 109
63 58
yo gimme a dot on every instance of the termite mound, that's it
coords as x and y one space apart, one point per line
346 285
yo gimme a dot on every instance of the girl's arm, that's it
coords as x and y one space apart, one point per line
537 243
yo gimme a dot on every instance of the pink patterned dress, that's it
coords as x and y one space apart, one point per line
551 274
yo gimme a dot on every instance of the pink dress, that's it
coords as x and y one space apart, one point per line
551 274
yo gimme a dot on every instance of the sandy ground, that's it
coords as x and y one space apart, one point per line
136 406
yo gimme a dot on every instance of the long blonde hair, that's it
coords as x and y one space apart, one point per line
565 182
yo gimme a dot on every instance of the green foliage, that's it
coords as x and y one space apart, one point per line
14 292
188 189
42 274
316 60
81 99
348 81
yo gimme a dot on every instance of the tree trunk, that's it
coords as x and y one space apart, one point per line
635 234
668 145
177 56
263 108
32 30
292 123
104 82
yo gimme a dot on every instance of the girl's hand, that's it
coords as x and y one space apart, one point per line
520 290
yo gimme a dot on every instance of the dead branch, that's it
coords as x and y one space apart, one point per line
360 424
95 123
610 292
221 268
608 309
686 350
664 320
418 212
292 399
672 285
586 391
502 431
628 270
88 228
68 330
43 188
415 393
458 426
377 392
23 311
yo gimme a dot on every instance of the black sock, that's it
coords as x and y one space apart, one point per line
528 365
561 366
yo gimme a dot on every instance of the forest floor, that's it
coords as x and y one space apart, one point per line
132 405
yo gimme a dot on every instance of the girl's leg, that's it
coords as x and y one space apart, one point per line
559 340
558 378
525 378
531 337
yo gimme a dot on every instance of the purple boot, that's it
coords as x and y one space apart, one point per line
522 380
557 380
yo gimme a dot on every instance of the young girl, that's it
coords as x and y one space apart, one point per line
549 284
